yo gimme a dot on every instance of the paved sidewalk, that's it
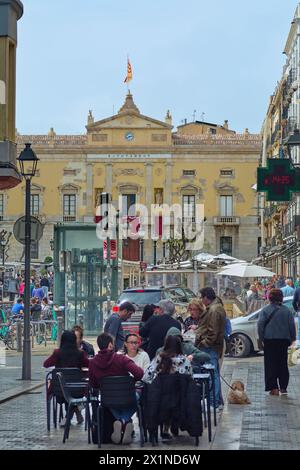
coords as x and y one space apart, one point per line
268 423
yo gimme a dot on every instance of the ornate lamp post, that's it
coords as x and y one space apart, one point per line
28 164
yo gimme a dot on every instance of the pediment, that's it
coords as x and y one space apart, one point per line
225 187
127 121
70 187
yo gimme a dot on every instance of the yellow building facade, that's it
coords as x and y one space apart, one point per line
144 161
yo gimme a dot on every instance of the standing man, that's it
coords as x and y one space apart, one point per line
45 284
157 327
210 334
13 288
288 290
113 326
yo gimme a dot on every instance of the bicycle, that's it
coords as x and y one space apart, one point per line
8 336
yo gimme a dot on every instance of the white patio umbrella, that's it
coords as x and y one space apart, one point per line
227 258
245 270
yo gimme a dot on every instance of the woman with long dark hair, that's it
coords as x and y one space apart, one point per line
170 360
68 355
148 311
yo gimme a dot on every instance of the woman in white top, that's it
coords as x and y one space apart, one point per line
132 350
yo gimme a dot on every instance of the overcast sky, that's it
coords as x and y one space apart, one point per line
221 58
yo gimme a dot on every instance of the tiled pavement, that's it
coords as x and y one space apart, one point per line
268 423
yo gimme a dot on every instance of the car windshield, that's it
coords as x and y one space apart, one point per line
141 297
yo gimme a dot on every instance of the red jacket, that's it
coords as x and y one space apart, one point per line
108 363
55 360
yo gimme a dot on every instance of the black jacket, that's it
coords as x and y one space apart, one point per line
156 329
173 399
296 299
88 348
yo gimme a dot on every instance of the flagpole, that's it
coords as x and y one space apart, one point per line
127 83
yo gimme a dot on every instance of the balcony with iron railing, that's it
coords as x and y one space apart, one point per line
290 228
275 133
289 126
69 218
227 220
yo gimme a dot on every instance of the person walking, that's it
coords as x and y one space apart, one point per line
277 331
45 285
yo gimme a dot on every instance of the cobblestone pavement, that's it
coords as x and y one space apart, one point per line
11 373
268 423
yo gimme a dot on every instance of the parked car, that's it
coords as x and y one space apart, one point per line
141 296
244 337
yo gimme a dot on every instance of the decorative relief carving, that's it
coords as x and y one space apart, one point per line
99 137
158 171
99 172
128 172
240 198
159 137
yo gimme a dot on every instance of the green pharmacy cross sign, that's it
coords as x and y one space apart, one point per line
279 179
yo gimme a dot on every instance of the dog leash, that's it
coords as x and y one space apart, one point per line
226 382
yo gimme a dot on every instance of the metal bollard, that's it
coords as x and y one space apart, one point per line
19 336
59 330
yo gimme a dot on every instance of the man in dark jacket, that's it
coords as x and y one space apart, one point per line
107 363
113 326
84 345
157 327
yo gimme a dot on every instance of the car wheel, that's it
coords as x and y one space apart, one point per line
239 346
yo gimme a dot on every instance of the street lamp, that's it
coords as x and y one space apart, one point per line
28 164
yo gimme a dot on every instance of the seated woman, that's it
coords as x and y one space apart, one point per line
169 361
132 350
68 355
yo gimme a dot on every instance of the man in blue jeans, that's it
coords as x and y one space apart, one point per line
107 363
210 333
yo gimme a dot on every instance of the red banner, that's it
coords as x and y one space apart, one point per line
113 249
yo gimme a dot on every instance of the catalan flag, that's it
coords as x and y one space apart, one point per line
129 72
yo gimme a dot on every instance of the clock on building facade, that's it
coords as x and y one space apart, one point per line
129 136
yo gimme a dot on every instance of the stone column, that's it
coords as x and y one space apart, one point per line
168 183
108 178
148 202
89 190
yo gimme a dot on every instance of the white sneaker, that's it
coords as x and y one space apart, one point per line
63 423
117 434
127 436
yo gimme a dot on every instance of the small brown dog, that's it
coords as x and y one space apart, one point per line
237 394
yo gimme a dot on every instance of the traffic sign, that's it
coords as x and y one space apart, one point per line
279 179
36 230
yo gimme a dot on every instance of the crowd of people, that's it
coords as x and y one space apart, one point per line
165 346
41 301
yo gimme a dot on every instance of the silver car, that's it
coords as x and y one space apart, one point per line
244 337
